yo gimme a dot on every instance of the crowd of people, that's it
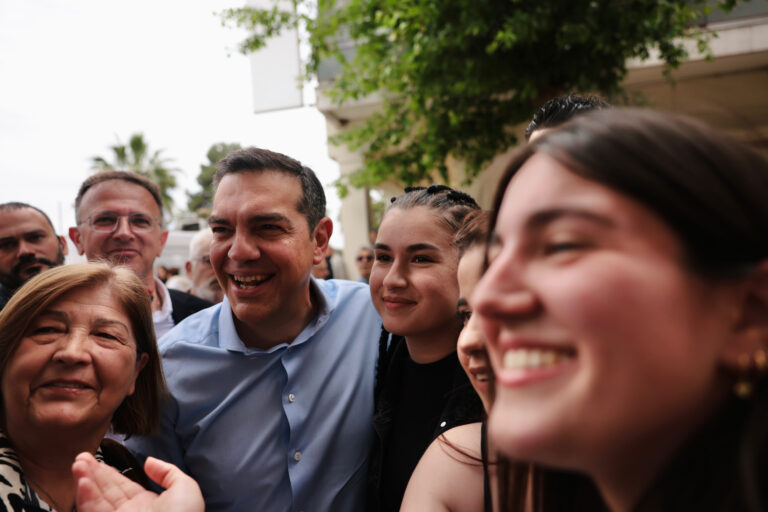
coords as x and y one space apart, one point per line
597 340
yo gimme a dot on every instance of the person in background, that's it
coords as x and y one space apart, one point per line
28 245
162 273
120 219
421 389
77 356
199 269
181 283
320 270
559 110
364 263
625 312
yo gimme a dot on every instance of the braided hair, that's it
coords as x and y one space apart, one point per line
452 206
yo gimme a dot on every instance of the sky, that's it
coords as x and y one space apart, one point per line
77 76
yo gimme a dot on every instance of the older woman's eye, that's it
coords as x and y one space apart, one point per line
108 336
45 329
464 316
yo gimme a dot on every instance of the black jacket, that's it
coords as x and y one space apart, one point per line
463 406
185 304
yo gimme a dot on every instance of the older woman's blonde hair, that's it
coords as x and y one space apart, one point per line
139 413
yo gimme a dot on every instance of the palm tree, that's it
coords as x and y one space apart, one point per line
137 157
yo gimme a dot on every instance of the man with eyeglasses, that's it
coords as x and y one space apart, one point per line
28 245
199 269
120 219
364 262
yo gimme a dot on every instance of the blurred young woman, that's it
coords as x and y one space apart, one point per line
421 390
77 355
456 472
626 314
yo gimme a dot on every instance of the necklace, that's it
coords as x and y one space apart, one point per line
40 488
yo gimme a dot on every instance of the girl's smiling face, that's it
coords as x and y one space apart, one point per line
603 344
471 345
413 280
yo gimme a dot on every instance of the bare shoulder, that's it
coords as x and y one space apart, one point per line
462 443
449 475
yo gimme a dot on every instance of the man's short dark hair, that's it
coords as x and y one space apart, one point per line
561 109
15 205
312 202
130 177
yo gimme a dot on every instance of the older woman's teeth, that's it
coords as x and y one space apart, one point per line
482 377
249 281
524 358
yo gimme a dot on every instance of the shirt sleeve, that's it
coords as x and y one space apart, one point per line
165 445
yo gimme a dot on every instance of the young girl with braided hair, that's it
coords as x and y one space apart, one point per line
421 389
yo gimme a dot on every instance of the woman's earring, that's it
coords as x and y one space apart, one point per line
750 367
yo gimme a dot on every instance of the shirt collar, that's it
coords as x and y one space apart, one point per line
229 339
167 309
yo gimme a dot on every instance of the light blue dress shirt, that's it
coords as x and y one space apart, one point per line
287 428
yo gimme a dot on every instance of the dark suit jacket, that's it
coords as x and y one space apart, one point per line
185 304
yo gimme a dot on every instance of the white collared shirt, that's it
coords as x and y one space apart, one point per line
162 318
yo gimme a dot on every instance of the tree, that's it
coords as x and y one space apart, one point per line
202 202
136 157
455 76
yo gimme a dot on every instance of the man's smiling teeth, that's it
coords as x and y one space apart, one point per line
525 358
250 281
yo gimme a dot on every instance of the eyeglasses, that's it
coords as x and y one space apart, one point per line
107 222
366 258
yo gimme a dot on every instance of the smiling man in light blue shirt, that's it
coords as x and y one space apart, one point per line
272 390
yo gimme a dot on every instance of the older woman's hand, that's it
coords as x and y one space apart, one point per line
100 488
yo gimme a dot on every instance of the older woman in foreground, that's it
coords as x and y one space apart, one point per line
77 355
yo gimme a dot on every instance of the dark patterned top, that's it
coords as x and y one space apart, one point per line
15 493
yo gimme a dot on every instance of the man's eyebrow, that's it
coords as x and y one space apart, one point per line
217 220
541 218
381 247
268 217
254 219
31 232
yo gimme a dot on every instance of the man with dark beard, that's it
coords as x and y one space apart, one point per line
28 245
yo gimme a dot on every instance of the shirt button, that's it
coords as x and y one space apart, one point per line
291 398
442 424
297 456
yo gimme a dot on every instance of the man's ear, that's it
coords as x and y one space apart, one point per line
63 244
74 235
750 326
321 236
163 239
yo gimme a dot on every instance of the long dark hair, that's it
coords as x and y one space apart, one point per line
712 191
